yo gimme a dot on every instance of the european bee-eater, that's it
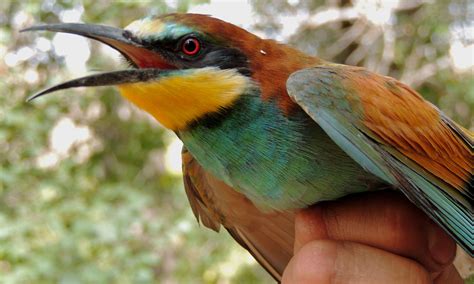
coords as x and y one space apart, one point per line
268 129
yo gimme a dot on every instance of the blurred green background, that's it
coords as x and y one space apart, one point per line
90 189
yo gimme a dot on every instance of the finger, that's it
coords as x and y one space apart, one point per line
448 275
326 261
386 220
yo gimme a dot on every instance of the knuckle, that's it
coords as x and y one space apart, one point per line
309 226
333 221
403 226
441 247
418 274
314 263
308 217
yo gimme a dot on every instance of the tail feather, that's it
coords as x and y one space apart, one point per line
455 215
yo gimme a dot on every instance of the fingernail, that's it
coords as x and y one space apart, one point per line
440 244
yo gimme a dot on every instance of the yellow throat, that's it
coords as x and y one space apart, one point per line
187 95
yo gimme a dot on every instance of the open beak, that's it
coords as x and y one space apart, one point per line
121 40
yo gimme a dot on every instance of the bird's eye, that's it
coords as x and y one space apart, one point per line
191 46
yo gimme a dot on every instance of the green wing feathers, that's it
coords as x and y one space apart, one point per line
392 132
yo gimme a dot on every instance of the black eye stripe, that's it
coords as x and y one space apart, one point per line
185 53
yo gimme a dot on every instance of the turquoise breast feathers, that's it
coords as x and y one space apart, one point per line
276 161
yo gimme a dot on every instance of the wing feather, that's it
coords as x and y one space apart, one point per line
392 132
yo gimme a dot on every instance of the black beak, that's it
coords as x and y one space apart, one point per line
121 40
106 79
114 37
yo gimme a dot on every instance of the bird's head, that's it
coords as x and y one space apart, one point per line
185 66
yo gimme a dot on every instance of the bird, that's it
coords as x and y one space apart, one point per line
269 130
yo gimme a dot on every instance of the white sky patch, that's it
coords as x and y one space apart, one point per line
20 19
66 134
47 160
110 52
13 58
72 15
25 53
290 24
378 12
31 76
462 56
62 138
333 14
171 3
43 44
173 156
461 51
75 49
236 12
293 2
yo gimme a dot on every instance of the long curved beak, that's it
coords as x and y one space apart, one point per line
121 40
106 79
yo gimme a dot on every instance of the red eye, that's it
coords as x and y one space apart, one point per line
191 46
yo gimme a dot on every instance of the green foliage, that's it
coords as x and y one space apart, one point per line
106 209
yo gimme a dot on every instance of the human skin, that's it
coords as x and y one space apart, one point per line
378 237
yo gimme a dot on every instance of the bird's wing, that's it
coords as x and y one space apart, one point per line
268 237
392 132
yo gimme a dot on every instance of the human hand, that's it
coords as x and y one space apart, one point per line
378 237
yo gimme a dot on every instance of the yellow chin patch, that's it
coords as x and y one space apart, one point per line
178 99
